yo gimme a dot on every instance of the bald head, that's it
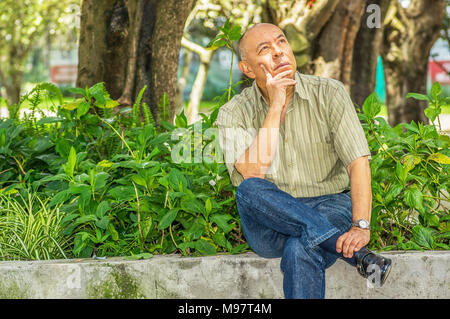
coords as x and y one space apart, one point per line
242 41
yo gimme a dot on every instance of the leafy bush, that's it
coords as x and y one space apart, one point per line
410 180
115 182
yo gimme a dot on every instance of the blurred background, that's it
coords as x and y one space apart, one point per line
388 46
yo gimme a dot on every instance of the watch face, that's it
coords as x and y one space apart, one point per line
363 223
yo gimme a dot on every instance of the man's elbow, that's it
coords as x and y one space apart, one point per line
246 172
363 161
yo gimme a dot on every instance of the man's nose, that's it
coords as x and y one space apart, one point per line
277 51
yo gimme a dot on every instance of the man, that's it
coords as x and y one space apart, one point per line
292 143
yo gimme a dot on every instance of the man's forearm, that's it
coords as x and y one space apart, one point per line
258 158
361 190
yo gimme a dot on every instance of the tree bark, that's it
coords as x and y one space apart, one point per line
200 79
368 44
408 39
131 43
333 54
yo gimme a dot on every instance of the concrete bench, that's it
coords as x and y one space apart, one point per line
414 275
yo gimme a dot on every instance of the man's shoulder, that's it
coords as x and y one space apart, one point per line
313 82
237 106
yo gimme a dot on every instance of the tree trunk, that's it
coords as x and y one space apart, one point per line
408 39
131 43
333 54
367 48
200 79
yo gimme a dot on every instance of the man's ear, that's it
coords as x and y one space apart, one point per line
246 69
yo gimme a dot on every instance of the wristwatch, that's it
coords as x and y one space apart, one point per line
362 223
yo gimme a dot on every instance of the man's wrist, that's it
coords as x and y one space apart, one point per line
361 223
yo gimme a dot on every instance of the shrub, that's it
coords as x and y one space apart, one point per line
410 180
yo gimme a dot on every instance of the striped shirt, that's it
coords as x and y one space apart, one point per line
321 136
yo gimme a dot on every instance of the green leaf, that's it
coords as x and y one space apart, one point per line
393 192
192 205
435 90
439 158
123 193
372 105
83 108
49 120
181 120
168 218
220 240
138 180
432 113
196 230
208 206
401 172
410 161
205 247
138 256
60 197
411 127
103 222
100 180
418 96
177 180
235 33
102 208
414 198
69 167
222 221
240 248
85 219
423 236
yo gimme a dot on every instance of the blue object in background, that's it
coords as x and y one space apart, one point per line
380 86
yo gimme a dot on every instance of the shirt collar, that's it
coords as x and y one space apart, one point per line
299 89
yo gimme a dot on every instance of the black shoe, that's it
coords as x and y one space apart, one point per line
370 264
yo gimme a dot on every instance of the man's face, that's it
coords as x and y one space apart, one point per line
266 44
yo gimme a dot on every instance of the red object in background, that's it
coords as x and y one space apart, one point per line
63 74
439 71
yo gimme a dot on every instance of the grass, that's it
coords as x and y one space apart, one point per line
30 229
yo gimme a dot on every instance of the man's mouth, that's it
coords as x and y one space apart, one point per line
281 65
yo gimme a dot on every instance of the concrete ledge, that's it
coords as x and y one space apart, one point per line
414 275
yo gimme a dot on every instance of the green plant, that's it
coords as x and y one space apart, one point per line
30 229
116 186
410 180
226 36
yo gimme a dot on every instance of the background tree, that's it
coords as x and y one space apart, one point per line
202 23
130 44
367 48
23 25
408 37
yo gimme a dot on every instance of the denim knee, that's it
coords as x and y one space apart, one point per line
296 249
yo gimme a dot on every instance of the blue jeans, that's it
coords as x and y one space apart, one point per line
277 224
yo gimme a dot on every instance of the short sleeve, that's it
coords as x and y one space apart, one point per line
234 139
349 139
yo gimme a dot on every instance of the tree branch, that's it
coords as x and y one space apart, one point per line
205 55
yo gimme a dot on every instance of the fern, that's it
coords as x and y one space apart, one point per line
148 116
137 108
164 107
